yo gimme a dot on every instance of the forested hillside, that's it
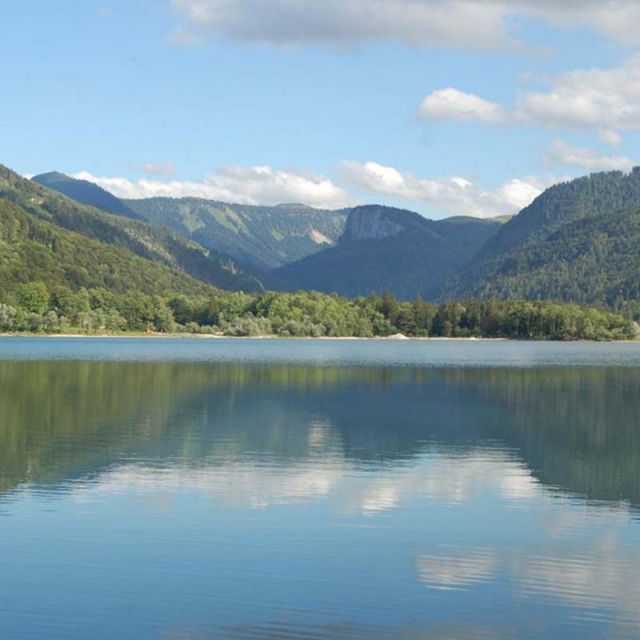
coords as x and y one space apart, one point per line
390 249
84 192
66 267
261 237
579 241
47 272
143 239
351 252
37 250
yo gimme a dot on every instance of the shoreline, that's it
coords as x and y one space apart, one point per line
183 336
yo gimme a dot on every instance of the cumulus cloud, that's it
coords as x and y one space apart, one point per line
481 24
604 100
455 195
263 185
563 153
242 185
452 104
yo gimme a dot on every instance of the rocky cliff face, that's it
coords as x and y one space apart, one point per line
374 222
383 248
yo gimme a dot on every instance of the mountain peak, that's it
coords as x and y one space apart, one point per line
84 192
374 222
53 175
577 242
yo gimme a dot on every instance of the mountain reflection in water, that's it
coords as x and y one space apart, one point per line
203 500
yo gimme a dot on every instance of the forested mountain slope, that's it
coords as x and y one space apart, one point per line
390 249
259 236
143 239
578 241
85 192
33 250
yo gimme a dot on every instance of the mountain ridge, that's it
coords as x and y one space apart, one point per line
576 242
390 249
567 245
141 238
376 222
85 192
260 237
34 250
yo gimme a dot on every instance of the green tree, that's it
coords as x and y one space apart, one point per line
34 297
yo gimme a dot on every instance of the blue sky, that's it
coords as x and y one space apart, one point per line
268 101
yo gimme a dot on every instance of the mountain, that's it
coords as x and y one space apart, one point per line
85 192
33 249
145 240
261 237
418 254
383 248
578 241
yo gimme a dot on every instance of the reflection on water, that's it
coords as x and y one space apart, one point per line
457 569
225 500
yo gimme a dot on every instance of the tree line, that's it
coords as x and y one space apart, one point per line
35 308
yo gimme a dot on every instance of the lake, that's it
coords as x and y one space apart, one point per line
197 489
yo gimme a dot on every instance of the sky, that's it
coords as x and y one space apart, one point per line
445 107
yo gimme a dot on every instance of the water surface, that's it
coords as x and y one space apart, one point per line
261 489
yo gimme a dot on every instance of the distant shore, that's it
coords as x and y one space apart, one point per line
209 336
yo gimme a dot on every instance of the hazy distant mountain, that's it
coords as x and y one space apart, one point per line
578 241
260 236
383 248
85 192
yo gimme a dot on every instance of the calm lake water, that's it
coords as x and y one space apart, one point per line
312 490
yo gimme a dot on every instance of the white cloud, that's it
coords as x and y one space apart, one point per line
164 168
263 185
452 104
454 195
563 153
603 100
444 23
615 19
610 137
467 24
243 185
